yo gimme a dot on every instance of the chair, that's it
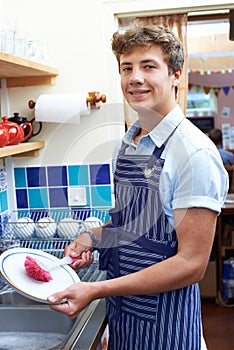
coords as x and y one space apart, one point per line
230 170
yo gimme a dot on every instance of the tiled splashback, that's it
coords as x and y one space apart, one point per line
3 191
47 186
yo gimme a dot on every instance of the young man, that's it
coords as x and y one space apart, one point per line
170 185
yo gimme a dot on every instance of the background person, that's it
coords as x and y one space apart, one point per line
170 184
216 136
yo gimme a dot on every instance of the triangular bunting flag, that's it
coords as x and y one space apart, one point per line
226 89
216 91
206 89
190 86
198 88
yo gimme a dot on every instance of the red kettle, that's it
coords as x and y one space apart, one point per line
15 131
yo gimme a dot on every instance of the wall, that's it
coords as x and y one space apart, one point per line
78 40
73 34
219 81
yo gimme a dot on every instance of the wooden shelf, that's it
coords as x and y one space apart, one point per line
21 72
26 149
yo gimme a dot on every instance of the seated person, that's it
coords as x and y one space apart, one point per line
216 136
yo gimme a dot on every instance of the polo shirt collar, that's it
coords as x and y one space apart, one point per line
162 131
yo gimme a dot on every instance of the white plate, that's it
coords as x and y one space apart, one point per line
13 271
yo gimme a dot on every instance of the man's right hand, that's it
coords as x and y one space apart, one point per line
81 246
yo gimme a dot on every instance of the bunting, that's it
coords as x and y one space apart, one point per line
216 89
209 72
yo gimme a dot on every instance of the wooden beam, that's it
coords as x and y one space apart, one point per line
211 63
210 44
208 17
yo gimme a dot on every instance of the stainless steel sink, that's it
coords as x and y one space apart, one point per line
27 324
9 296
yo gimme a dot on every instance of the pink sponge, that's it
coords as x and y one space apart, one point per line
35 271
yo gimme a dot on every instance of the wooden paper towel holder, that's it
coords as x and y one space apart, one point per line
93 100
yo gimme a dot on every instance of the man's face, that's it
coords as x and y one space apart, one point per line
145 81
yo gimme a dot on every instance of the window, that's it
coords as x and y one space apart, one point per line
200 103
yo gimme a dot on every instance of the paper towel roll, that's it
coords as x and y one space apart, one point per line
61 108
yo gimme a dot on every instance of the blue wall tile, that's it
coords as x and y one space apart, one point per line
101 196
4 201
57 175
100 174
22 199
47 187
36 176
20 177
58 197
38 198
88 195
78 175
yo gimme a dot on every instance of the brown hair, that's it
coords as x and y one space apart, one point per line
216 136
147 35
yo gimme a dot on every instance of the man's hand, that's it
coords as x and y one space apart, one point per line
73 299
82 246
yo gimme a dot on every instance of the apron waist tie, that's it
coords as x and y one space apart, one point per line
110 241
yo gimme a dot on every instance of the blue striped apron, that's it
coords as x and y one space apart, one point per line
140 236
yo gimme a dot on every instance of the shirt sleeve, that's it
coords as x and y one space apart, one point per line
199 181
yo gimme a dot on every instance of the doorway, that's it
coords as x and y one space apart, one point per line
211 64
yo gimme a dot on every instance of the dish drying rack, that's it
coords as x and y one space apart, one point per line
54 245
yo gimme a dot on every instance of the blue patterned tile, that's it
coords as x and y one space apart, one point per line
3 179
57 175
5 229
101 196
78 175
22 199
38 198
99 174
20 177
36 176
58 197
